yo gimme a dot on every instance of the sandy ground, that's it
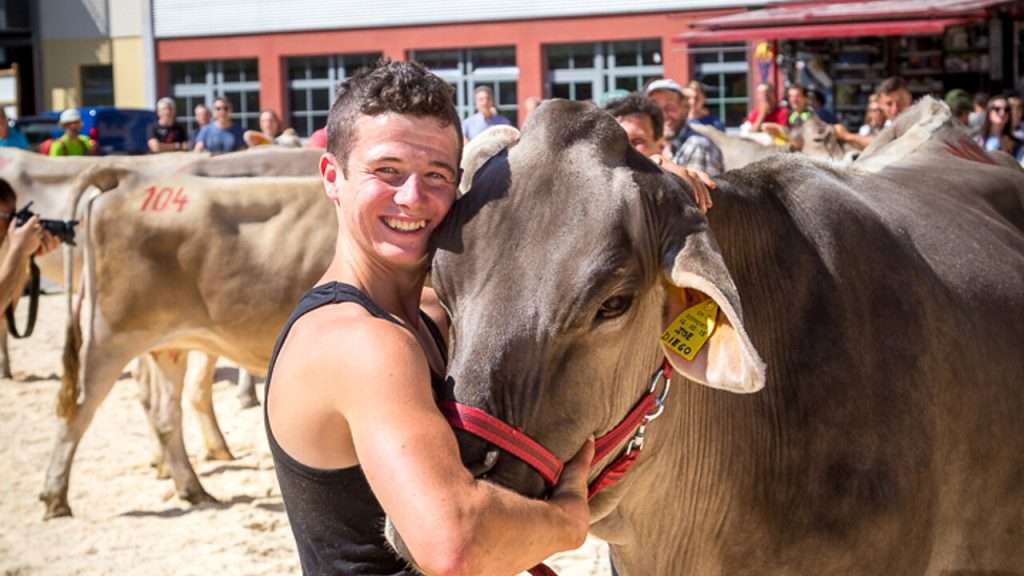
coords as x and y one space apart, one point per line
126 521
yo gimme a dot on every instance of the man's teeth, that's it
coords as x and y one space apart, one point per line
405 225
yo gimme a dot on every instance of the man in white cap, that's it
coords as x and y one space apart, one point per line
684 146
71 143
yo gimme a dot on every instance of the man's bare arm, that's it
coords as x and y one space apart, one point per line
451 522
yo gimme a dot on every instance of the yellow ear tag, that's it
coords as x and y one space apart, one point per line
688 333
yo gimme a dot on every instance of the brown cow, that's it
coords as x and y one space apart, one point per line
217 267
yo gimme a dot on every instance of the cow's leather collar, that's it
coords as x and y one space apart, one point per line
514 441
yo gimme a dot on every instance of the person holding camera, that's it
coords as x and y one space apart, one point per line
17 245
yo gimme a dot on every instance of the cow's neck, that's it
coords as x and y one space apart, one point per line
708 451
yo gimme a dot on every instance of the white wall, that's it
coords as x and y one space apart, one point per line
125 18
175 18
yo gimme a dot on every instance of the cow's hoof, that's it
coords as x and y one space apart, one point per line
248 401
56 507
197 497
218 454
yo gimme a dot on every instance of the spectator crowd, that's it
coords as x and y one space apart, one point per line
658 119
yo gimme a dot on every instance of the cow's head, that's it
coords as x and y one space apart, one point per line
560 267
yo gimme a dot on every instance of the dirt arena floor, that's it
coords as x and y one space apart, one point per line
128 522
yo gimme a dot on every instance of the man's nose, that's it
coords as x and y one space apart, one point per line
410 192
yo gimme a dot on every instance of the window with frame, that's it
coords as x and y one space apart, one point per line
192 83
586 71
466 70
97 85
312 85
724 72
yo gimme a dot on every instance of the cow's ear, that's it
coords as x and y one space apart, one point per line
695 276
481 149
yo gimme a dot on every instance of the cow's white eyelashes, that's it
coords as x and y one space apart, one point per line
614 307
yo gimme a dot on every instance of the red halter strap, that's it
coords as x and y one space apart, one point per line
517 443
511 440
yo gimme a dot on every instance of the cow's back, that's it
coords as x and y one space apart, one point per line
215 263
889 316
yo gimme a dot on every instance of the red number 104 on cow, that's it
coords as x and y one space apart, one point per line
158 200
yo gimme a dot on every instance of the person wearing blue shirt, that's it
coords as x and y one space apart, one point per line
486 114
9 135
695 96
220 135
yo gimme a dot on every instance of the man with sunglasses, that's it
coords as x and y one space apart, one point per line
17 245
220 135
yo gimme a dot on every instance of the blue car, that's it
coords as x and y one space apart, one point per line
113 130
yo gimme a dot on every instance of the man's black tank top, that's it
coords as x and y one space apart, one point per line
337 521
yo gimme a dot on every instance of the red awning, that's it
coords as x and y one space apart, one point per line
833 19
892 28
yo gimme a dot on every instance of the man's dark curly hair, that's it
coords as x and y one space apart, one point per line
641 105
389 86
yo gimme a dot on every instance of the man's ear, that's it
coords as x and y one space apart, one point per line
329 174
707 343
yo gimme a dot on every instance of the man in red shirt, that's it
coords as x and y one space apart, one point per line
767 115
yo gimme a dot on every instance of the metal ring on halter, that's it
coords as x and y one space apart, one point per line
661 398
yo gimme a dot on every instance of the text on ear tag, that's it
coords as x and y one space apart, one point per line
688 333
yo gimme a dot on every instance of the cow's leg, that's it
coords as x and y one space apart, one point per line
199 383
247 389
144 373
99 370
5 353
165 406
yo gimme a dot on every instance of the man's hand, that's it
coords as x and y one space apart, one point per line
26 239
48 244
700 182
570 496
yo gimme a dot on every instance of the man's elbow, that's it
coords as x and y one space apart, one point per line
455 550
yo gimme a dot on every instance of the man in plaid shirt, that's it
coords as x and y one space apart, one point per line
685 147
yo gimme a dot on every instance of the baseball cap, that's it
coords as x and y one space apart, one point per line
664 84
70 115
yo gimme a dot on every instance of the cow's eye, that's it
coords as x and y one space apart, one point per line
614 307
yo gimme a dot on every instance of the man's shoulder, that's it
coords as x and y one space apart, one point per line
345 337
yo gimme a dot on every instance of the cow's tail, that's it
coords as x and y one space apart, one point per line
103 178
67 398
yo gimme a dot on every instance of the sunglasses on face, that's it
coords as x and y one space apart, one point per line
219 108
999 109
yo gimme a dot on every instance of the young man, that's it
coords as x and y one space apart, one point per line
799 109
166 135
350 411
641 118
893 98
686 147
17 245
221 135
486 114
71 143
